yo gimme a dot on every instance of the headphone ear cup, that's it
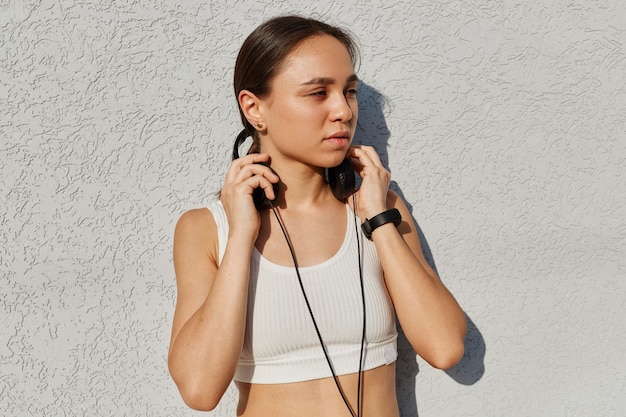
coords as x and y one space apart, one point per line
341 180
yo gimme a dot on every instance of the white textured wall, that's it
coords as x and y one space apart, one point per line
503 123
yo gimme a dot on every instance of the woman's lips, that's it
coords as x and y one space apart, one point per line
340 138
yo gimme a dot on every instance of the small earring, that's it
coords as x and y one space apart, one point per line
259 125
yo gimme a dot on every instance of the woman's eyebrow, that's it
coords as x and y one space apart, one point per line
328 80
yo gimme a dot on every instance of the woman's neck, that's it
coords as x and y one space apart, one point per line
301 186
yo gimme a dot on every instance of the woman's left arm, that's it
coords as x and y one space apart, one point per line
430 317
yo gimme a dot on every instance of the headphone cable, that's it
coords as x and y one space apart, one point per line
308 305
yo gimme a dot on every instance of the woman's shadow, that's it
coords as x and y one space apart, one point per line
372 130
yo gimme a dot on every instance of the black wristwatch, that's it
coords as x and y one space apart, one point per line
391 215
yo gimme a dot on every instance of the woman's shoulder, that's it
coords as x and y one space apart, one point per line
197 228
195 218
201 217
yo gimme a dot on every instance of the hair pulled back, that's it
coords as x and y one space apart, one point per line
264 51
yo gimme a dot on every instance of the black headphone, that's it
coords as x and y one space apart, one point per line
341 178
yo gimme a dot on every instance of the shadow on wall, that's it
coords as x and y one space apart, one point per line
372 130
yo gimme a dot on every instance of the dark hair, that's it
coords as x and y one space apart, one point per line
265 49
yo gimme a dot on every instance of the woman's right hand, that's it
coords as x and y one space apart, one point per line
244 175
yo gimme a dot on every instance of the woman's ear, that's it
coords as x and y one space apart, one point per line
250 106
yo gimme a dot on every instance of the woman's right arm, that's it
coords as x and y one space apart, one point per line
209 320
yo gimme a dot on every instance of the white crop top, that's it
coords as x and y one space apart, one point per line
281 344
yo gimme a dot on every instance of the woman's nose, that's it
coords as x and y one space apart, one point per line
341 110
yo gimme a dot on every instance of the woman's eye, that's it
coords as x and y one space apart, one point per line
319 93
352 92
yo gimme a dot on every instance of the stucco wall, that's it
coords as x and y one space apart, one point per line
503 123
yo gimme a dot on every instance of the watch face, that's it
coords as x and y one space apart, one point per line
367 229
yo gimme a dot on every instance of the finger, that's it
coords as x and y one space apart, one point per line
255 158
268 188
244 163
259 181
361 160
253 176
239 163
257 169
367 154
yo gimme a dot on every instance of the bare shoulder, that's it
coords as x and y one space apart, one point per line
195 218
196 233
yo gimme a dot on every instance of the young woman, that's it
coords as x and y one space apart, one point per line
296 300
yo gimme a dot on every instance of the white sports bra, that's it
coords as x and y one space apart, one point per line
281 344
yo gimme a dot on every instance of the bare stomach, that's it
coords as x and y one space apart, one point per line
320 397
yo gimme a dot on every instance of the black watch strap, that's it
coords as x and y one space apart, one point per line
391 215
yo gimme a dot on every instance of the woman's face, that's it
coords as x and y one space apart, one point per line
311 111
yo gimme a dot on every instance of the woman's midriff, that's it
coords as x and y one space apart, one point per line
321 397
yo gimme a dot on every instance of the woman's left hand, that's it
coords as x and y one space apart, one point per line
372 195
